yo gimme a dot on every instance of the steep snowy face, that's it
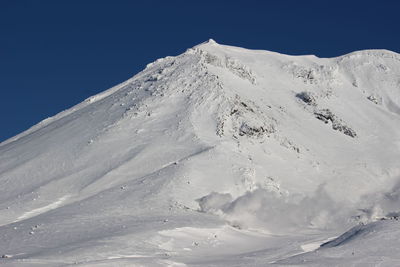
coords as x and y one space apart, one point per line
254 139
299 140
130 131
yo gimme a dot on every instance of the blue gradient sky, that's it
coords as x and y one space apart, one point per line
54 54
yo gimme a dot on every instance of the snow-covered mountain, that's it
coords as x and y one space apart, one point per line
220 156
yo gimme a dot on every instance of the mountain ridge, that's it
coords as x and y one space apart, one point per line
367 52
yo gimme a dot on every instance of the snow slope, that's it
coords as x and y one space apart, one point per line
220 156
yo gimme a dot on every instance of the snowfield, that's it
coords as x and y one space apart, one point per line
220 156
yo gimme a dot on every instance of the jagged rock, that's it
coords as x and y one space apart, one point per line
327 116
307 97
373 99
240 70
233 65
324 115
311 75
245 129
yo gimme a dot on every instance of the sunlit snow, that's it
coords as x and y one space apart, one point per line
220 156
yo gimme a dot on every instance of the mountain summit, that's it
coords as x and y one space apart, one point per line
218 156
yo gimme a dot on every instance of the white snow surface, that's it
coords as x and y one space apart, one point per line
220 156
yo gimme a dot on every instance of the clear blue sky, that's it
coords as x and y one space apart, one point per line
54 54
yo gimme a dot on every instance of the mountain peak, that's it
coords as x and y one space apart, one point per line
208 42
211 41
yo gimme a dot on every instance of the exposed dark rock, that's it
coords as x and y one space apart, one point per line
373 99
234 111
247 107
327 116
324 115
307 98
248 130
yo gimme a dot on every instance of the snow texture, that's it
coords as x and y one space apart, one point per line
220 156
